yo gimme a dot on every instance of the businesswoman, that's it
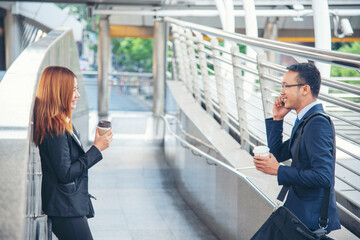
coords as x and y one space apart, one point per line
65 164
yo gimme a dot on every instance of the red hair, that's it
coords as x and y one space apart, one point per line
53 103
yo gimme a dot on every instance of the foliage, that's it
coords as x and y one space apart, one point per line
132 54
336 71
128 54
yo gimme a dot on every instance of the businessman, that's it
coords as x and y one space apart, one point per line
315 167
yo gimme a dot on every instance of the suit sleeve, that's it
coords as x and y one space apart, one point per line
59 158
274 133
319 141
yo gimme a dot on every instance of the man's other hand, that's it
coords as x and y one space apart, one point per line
268 165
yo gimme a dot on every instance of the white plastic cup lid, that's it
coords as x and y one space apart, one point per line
261 150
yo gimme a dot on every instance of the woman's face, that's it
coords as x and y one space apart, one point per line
76 95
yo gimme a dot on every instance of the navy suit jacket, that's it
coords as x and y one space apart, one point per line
65 175
315 167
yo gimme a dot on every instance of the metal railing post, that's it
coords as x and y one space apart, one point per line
204 71
240 99
174 53
265 86
219 82
193 64
185 60
179 67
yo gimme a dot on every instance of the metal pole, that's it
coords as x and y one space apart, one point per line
174 69
219 77
264 85
193 64
159 61
204 72
222 14
251 29
229 9
240 100
103 69
322 32
178 53
185 60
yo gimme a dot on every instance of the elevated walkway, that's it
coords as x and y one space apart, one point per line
136 194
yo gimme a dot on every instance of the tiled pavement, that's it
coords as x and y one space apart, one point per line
137 198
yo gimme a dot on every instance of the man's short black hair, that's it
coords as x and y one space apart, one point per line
308 74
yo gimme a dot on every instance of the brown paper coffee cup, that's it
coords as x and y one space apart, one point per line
103 126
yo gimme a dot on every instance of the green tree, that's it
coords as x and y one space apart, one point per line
336 71
132 54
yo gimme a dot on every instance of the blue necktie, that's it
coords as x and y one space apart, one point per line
296 120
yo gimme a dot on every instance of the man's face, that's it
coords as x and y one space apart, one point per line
291 95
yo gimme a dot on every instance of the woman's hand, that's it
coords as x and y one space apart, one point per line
103 142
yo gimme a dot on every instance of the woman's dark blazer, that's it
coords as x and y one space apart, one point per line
65 175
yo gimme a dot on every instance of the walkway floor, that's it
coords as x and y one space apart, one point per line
136 195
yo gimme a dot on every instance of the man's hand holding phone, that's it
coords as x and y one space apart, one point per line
279 109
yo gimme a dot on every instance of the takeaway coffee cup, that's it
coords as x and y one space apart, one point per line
103 126
262 151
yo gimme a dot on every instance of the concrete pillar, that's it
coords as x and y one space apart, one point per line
103 67
12 38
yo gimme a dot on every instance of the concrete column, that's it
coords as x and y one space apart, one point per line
159 67
12 38
103 67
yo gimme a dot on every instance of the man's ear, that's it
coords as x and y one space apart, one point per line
306 90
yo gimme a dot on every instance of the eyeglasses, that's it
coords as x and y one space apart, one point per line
293 85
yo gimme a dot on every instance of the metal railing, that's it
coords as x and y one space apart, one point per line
207 156
239 92
20 166
142 82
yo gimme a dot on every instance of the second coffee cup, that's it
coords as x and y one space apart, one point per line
103 126
262 151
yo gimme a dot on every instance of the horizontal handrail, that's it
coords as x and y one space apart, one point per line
333 57
126 74
216 161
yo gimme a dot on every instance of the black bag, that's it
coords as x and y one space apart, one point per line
91 213
283 224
